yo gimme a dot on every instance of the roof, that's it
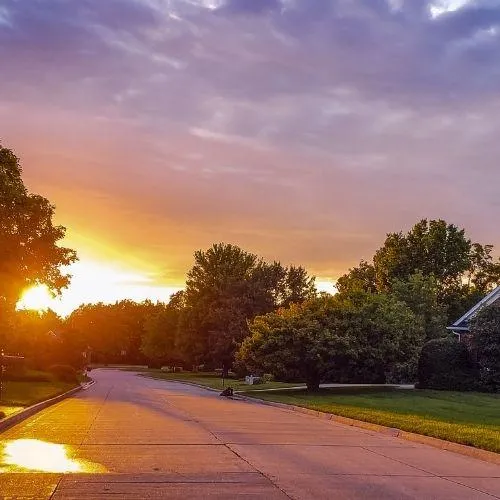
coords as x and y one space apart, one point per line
462 324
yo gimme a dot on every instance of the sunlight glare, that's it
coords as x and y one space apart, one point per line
37 298
94 282
40 456
326 286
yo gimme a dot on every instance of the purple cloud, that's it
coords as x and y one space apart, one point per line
367 114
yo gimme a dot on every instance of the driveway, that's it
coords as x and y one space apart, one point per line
133 437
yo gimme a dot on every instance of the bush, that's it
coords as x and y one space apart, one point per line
446 364
64 373
155 365
28 376
485 329
402 373
267 377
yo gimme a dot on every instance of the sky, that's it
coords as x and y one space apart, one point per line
301 130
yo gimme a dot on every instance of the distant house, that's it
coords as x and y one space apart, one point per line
461 326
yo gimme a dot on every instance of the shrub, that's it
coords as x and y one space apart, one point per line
445 364
485 329
402 373
64 373
343 339
155 365
267 377
28 376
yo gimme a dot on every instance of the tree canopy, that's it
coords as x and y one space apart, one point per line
159 341
463 271
367 338
226 287
485 333
29 250
114 332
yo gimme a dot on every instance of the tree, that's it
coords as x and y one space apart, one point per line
114 332
295 287
29 251
431 247
225 288
446 364
420 294
295 343
363 338
485 334
159 338
464 271
36 336
358 278
389 337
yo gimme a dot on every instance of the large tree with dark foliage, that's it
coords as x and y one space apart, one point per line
364 338
159 341
463 271
485 335
226 287
29 250
446 364
113 332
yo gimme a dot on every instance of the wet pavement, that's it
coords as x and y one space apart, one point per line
133 437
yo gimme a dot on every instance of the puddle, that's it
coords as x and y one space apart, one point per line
33 455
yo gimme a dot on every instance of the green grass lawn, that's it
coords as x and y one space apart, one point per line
462 417
212 380
16 395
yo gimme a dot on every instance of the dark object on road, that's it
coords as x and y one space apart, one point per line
227 392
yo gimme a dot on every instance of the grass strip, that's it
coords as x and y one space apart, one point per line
467 418
213 380
29 393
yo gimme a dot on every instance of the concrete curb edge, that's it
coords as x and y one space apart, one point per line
462 449
181 382
28 412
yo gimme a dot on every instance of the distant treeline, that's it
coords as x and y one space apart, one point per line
238 311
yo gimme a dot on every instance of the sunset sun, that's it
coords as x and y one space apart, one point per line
37 298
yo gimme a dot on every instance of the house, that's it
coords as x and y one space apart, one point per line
461 326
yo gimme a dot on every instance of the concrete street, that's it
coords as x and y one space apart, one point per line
133 437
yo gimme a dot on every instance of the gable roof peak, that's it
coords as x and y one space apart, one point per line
462 324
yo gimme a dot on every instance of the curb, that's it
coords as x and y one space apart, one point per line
8 422
182 382
462 449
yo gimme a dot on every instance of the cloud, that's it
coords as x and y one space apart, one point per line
304 129
251 6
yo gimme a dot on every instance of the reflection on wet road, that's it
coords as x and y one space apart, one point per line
33 455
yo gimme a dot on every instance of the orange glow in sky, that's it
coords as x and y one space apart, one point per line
193 122
95 282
